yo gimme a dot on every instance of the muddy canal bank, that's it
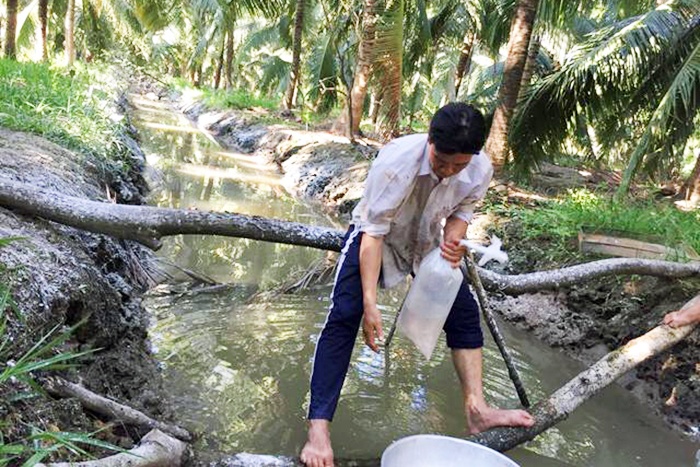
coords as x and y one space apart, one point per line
61 277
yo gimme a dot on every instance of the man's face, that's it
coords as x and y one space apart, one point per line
447 165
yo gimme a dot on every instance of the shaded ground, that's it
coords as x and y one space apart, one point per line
585 321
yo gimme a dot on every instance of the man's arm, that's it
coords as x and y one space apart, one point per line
370 265
689 314
455 230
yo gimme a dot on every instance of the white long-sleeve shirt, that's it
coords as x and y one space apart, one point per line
405 203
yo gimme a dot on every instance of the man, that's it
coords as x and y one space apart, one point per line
415 183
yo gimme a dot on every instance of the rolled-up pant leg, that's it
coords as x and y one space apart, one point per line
462 326
335 343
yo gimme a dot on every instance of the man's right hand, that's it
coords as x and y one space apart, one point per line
372 327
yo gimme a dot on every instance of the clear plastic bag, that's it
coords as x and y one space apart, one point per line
429 301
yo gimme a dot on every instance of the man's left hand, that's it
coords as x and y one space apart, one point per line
453 252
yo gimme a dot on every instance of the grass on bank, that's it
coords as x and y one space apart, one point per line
556 223
73 109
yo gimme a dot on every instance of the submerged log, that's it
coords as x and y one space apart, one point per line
156 449
585 385
109 408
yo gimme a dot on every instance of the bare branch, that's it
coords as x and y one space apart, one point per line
109 408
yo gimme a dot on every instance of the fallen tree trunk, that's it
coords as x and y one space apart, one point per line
585 385
537 281
146 224
109 408
156 449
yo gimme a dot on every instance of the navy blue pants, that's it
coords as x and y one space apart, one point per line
334 346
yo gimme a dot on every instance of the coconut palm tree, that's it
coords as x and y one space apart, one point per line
70 33
518 46
11 29
638 79
44 25
296 54
363 67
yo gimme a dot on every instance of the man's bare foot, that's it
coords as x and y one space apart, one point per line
481 417
317 451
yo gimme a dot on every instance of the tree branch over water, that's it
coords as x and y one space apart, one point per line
147 225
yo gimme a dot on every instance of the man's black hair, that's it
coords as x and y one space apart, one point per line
457 128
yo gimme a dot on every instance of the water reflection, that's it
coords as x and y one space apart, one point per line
240 364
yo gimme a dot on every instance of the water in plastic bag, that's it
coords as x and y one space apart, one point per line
429 301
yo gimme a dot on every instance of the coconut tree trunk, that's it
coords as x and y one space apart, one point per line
43 25
524 20
389 42
692 184
585 385
11 30
530 65
220 64
465 59
70 33
296 54
229 59
363 69
156 449
376 104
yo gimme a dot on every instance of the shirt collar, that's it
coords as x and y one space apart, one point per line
426 169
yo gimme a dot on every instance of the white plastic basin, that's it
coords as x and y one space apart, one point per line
441 451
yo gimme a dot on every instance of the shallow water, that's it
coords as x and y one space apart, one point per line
239 363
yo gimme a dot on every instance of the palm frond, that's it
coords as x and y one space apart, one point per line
269 8
275 74
496 21
26 25
264 36
600 76
675 111
324 71
122 14
153 14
